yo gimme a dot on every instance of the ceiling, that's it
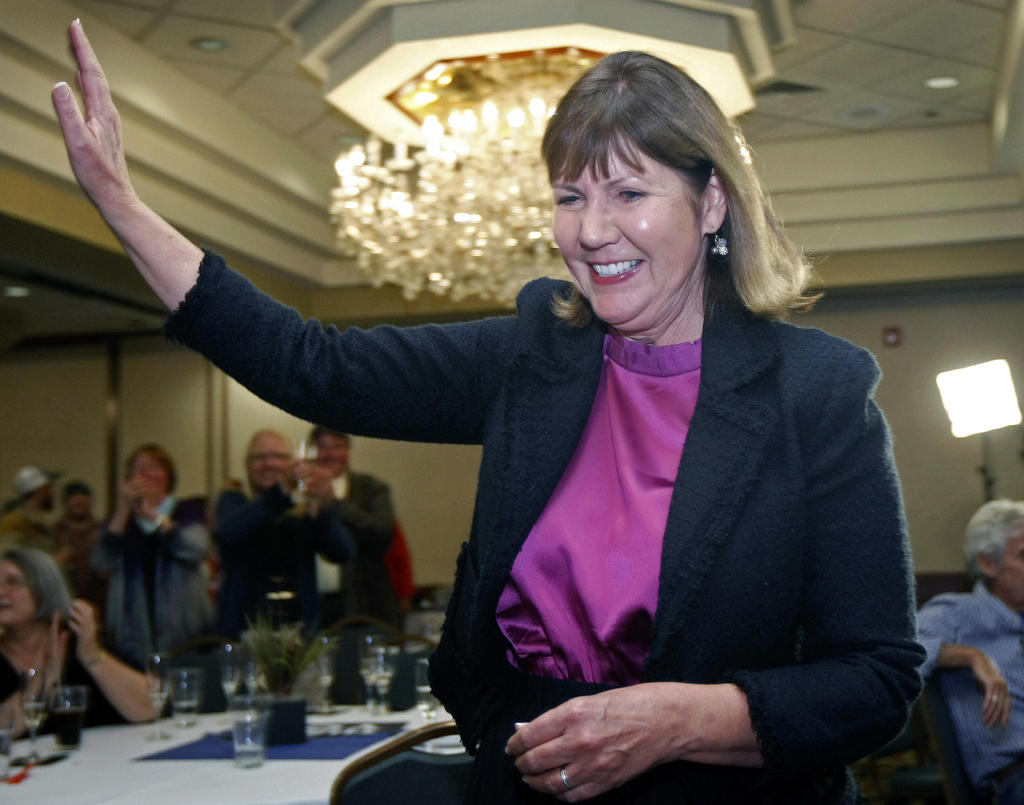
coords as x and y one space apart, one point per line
236 146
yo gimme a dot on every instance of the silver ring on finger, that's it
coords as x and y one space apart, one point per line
564 777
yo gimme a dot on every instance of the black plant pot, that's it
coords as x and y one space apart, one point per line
287 723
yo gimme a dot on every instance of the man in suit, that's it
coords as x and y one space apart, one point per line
363 506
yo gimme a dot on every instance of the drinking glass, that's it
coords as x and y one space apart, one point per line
230 660
186 690
425 700
248 715
67 712
159 688
33 708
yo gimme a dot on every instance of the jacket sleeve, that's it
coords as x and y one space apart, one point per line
856 670
426 383
332 539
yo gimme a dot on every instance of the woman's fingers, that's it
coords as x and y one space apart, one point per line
93 136
91 78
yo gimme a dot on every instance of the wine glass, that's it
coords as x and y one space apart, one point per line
325 672
33 708
231 661
159 688
425 700
305 454
255 681
369 666
387 665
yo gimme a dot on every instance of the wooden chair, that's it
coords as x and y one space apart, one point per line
396 772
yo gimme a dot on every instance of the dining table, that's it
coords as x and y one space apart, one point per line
124 765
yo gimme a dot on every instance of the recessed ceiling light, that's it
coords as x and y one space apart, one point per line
16 291
865 111
942 82
209 44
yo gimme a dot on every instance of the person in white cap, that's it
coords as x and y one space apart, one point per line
29 519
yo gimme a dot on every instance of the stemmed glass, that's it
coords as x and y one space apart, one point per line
159 688
33 708
425 700
255 681
306 454
231 661
325 672
387 665
377 665
368 668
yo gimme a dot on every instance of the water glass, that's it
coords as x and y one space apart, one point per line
249 716
186 692
67 712
425 700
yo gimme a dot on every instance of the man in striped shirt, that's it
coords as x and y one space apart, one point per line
976 640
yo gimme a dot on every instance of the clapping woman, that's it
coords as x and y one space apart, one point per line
687 579
153 548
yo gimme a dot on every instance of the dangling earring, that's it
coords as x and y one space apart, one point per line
720 246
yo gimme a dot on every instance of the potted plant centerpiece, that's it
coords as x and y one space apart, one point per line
281 653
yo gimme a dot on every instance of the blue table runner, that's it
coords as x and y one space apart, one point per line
341 741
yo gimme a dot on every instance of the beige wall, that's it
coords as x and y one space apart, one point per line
53 403
941 485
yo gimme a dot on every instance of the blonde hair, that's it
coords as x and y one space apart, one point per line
632 102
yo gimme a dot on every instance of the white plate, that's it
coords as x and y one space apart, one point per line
445 745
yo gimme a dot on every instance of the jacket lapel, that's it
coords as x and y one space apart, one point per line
723 453
547 406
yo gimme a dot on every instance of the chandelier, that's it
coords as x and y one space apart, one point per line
465 210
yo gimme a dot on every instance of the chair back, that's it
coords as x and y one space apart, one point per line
411 648
397 772
957 786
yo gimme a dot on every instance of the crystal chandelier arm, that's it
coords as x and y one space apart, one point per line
427 383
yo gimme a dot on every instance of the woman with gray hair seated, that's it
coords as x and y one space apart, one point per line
48 637
977 637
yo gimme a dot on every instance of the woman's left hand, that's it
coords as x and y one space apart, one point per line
602 741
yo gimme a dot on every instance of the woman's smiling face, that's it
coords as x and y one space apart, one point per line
17 604
635 244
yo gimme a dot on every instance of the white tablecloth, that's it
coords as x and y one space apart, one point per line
106 770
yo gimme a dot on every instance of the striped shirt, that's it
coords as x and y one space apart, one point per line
981 620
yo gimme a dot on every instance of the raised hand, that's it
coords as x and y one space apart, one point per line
167 260
94 142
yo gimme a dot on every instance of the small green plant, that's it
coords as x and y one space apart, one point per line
281 652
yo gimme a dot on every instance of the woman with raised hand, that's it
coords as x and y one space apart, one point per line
687 579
